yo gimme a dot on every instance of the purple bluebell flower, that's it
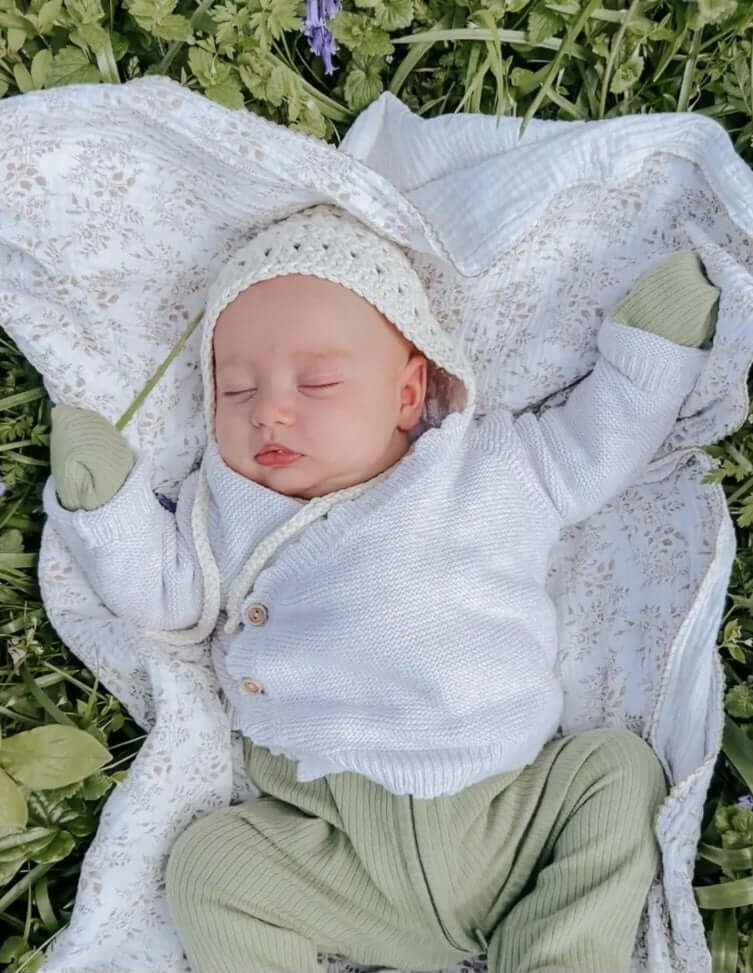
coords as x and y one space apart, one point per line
321 39
3 488
746 802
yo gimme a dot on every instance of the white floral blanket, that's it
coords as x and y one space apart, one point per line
118 203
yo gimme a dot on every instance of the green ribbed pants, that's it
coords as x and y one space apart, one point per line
544 868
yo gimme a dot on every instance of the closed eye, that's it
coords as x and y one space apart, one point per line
329 386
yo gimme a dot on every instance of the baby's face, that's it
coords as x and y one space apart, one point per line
314 366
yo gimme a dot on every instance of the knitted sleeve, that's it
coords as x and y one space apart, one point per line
585 452
138 556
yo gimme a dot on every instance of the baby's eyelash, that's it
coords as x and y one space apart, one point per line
328 386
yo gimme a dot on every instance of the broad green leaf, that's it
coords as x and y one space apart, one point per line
209 70
363 84
85 11
227 93
48 14
16 40
40 67
71 66
95 786
13 810
58 848
94 36
173 27
10 844
10 18
276 85
312 122
11 541
25 83
542 24
51 756
9 866
393 14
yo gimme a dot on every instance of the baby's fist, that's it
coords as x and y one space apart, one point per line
90 459
675 300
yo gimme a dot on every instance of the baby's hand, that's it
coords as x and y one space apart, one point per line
675 300
90 459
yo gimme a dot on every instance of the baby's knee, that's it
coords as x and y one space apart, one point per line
632 761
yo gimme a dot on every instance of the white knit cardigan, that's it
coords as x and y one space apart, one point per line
400 629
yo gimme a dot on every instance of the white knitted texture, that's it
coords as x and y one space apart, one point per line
404 639
327 242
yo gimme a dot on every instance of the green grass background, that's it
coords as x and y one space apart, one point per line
558 60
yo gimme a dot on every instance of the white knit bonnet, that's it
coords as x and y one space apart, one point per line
327 242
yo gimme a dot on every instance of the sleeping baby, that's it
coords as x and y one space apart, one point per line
367 558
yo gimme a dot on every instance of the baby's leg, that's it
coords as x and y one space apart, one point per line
261 887
585 902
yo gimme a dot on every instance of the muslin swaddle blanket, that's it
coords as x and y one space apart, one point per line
120 202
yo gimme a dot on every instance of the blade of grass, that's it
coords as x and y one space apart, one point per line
567 43
613 51
687 75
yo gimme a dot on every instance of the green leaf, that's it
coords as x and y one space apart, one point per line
542 24
312 121
71 66
13 811
85 11
626 75
16 40
48 14
11 541
210 70
14 19
25 83
11 844
61 845
393 14
360 34
228 93
40 67
13 949
739 701
283 15
51 756
173 27
715 11
363 83
93 36
95 786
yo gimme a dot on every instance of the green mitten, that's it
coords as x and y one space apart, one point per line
675 300
90 459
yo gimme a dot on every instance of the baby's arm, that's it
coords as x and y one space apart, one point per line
137 556
586 451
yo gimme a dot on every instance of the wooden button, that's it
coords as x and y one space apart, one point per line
257 614
251 686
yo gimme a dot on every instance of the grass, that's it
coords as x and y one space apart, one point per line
564 60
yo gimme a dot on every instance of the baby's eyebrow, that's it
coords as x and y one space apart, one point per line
308 355
331 353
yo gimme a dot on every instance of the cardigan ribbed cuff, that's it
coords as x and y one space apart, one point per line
134 503
652 362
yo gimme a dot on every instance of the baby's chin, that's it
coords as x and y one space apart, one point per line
290 481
